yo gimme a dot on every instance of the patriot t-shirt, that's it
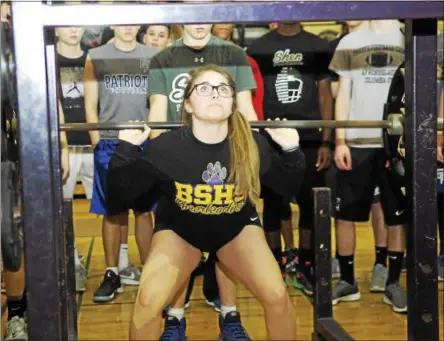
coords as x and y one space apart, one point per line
170 70
123 83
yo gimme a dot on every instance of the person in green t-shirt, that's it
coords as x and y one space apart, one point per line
169 72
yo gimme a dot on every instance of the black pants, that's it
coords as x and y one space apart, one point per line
277 208
210 286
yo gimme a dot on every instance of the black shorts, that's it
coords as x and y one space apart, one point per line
355 189
312 179
211 237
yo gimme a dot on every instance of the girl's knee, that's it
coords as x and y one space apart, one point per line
145 311
275 296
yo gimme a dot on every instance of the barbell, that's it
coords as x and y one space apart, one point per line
394 125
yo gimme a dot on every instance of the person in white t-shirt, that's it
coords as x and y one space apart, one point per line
365 61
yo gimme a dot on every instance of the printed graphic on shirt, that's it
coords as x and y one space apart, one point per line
145 64
199 60
284 58
378 62
215 197
71 79
126 84
177 92
289 85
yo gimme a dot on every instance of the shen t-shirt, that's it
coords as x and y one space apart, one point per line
292 67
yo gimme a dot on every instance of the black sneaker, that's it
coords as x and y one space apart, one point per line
290 258
303 282
108 288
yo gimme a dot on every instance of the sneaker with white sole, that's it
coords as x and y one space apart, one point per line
215 304
109 288
16 329
130 275
379 278
396 297
345 292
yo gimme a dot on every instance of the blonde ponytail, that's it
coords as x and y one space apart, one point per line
244 158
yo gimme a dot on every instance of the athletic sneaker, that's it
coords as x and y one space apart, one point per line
231 328
108 288
16 329
304 283
441 268
283 272
290 261
174 329
335 269
379 278
80 278
215 304
396 297
130 275
345 292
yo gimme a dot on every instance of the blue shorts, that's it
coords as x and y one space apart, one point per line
102 157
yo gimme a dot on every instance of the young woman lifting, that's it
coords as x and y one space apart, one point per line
209 175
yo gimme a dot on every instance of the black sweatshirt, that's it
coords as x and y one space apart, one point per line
195 199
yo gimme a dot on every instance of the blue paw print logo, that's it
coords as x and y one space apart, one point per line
214 174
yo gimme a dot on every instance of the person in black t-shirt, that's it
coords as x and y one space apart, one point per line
71 61
294 64
210 184
395 152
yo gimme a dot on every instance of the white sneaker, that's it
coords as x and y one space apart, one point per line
16 329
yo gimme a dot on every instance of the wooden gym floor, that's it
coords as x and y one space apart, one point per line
368 319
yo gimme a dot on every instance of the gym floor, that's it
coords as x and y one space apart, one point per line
368 319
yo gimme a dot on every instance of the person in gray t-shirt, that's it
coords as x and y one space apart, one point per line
116 88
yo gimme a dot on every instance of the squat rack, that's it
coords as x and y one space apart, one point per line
38 132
